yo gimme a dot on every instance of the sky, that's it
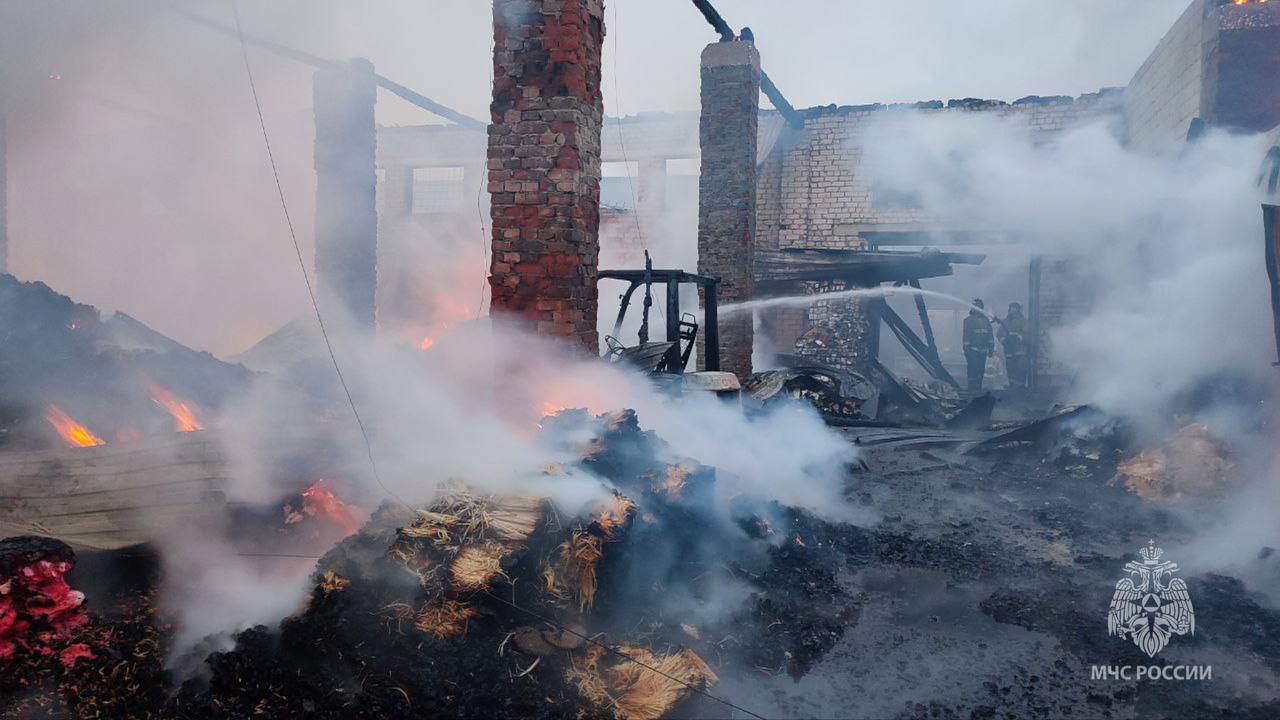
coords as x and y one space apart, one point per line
138 180
819 52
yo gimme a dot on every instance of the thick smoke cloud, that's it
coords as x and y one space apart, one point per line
134 150
1172 245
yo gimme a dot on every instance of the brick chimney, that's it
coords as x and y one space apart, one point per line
727 189
346 187
544 165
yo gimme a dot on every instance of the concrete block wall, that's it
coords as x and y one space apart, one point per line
1167 92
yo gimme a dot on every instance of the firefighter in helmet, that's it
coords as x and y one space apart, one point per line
1013 338
979 341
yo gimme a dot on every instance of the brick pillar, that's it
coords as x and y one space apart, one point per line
727 190
544 165
346 186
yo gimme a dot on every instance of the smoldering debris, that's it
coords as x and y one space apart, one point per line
508 606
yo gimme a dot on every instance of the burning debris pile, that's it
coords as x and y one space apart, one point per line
507 605
68 376
1192 463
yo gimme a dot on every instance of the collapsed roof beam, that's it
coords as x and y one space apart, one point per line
307 58
770 90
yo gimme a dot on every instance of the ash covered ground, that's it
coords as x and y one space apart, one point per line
984 593
981 591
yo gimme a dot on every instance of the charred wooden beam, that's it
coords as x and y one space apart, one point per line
111 496
928 359
767 86
780 270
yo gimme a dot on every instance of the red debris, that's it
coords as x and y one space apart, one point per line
74 652
37 606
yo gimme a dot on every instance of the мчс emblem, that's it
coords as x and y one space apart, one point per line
1150 606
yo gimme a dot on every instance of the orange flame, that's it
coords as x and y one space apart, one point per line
449 311
75 434
319 500
184 416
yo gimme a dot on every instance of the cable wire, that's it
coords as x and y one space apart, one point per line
619 653
302 265
571 631
284 206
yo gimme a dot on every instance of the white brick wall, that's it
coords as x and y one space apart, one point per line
813 193
1166 93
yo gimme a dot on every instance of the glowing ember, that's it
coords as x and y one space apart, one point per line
449 312
184 415
75 434
319 501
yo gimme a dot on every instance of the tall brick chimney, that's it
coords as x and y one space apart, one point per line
544 165
346 187
727 189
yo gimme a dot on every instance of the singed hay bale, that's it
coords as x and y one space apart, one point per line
444 620
584 674
463 517
331 582
632 687
671 484
470 534
613 516
475 566
572 571
648 695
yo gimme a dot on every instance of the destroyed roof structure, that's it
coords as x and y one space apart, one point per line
831 477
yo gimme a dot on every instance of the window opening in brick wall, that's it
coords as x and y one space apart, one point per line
618 186
439 190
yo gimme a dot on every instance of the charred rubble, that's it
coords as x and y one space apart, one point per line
501 606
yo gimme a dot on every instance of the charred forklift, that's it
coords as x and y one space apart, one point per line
666 361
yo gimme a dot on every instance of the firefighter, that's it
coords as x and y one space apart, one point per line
1013 338
978 344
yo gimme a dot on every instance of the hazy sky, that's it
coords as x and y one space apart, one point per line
138 179
818 51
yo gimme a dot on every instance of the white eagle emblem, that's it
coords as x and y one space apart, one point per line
1150 606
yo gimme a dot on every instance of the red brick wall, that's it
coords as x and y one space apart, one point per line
544 165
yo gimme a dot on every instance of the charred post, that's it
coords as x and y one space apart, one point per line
727 190
346 188
544 165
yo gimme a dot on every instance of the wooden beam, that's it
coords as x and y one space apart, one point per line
112 496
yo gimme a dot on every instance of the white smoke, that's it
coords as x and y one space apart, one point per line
468 410
1172 245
